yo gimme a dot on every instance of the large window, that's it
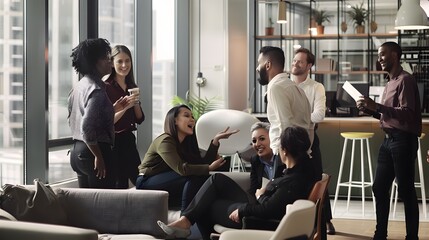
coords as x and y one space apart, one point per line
116 23
63 36
163 20
11 91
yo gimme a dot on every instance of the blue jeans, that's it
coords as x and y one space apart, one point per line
181 189
396 158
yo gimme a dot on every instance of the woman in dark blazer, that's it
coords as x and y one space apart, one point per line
221 200
264 164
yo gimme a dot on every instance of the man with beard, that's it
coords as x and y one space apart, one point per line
401 120
301 65
287 103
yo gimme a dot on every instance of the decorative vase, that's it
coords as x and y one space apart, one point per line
269 31
360 29
373 26
344 27
320 29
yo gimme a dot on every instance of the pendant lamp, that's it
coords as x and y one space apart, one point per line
411 16
281 17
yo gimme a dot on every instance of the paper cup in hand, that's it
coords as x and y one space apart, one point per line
134 91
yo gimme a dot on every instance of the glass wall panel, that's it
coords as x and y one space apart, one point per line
163 80
11 80
116 22
63 36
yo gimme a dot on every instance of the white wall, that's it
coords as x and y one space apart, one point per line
223 51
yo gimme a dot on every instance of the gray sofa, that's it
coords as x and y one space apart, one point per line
106 215
114 214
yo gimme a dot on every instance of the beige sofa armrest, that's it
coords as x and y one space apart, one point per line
115 211
17 230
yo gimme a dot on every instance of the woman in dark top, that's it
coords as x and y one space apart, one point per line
173 162
264 164
91 116
118 85
221 200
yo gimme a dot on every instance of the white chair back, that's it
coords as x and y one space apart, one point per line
217 120
298 220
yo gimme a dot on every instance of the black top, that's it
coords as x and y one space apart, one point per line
295 184
257 173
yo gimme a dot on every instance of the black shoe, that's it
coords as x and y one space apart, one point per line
330 229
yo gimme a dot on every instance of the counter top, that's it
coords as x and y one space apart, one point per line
342 119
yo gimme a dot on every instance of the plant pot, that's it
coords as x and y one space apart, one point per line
313 23
344 27
373 26
269 31
360 29
320 29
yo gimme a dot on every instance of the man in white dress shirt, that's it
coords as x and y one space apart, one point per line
287 103
315 91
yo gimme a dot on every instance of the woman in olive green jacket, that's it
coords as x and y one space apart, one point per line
173 162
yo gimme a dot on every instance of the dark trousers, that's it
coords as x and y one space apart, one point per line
181 189
215 201
82 162
396 158
318 169
127 159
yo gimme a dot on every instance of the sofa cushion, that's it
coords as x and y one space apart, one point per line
18 230
115 211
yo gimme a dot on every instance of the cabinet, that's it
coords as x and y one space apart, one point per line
340 55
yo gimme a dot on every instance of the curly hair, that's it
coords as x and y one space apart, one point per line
87 53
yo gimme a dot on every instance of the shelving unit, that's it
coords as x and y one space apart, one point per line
415 51
354 55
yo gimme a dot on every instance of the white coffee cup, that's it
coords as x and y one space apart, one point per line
134 91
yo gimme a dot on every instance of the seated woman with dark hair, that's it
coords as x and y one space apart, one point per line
221 200
173 162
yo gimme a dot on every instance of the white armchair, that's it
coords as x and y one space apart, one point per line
298 223
217 120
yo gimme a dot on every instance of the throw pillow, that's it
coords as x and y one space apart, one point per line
33 205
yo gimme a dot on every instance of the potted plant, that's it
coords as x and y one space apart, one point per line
358 14
198 106
269 30
320 17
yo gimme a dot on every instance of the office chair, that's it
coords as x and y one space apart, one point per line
298 223
218 120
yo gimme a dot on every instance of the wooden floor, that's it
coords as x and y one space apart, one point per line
348 229
352 224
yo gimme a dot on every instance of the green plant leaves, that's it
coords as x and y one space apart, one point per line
198 106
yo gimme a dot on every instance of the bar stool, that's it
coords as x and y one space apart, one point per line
362 184
420 184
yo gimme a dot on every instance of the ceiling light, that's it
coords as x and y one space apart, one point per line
411 16
281 17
